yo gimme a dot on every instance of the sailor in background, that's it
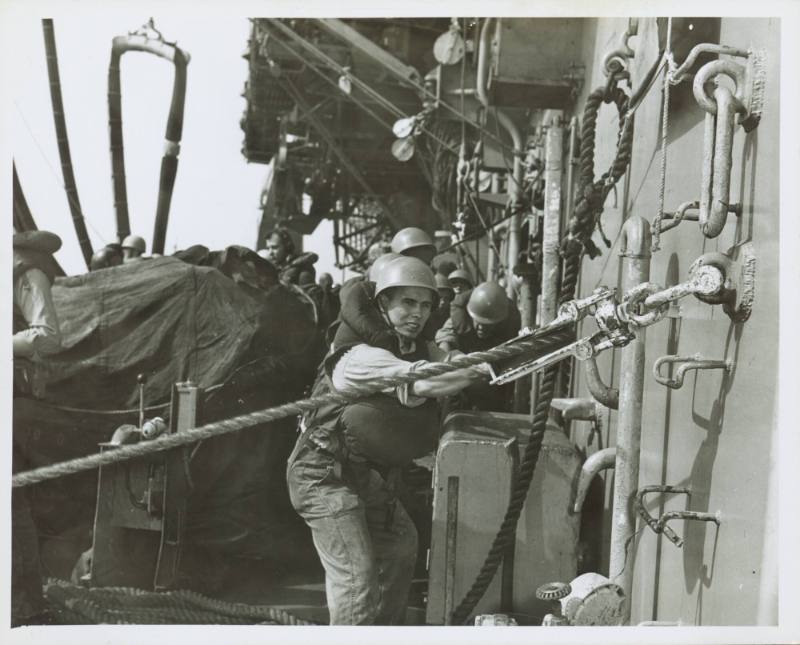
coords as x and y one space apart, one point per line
342 472
415 243
36 334
479 320
133 248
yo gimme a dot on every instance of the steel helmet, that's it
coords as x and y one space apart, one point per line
134 242
405 272
101 259
411 238
488 304
460 274
379 262
442 282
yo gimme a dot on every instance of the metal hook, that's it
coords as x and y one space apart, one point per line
614 62
694 362
677 217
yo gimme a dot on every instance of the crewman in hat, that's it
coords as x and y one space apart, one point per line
442 312
341 471
36 335
460 280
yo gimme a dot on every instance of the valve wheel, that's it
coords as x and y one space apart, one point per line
553 591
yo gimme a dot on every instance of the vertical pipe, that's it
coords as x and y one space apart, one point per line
573 161
63 142
527 311
636 269
491 257
518 172
514 194
551 259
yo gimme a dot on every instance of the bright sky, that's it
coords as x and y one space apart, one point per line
216 196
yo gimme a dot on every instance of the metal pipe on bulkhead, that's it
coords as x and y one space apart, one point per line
551 239
597 462
635 250
518 172
608 396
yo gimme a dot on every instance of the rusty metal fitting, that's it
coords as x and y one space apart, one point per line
711 48
718 132
683 515
704 280
677 217
737 294
636 298
709 73
615 61
694 362
653 523
575 310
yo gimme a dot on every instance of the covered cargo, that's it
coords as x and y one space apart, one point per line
171 321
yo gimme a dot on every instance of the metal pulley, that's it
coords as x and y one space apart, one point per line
403 128
449 47
403 149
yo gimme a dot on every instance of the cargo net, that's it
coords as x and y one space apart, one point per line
70 604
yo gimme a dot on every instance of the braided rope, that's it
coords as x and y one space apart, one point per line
127 605
544 342
593 192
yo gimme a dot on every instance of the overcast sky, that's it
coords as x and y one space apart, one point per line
216 196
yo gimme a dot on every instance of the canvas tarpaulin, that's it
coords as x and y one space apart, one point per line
168 320
173 321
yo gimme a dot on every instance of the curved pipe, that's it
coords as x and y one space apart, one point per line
70 185
599 461
174 131
514 186
608 396
635 239
678 75
694 362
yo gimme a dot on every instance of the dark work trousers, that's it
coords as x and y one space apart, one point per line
368 553
26 576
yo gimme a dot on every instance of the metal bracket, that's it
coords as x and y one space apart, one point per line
660 525
746 100
738 267
694 362
614 62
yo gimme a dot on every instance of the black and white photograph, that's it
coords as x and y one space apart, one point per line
400 316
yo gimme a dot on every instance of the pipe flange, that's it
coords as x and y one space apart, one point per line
553 591
721 262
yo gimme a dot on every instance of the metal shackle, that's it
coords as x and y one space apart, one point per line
708 73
